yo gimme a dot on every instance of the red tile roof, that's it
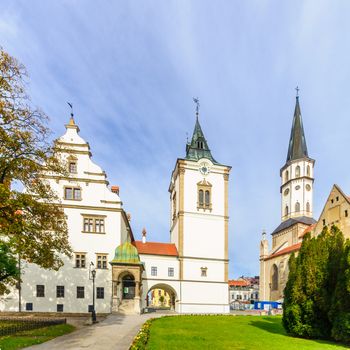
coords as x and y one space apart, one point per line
156 248
287 250
238 283
308 229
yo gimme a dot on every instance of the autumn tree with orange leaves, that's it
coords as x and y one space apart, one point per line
32 222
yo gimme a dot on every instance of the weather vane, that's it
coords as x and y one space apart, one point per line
71 107
196 101
297 89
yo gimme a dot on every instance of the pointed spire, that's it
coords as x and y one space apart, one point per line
198 147
297 143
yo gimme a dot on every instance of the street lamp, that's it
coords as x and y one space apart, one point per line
93 275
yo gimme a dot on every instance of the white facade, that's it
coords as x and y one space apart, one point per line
200 235
93 201
297 179
195 275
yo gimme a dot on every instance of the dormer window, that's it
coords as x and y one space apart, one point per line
200 144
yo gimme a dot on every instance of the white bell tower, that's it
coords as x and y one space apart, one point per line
199 227
297 174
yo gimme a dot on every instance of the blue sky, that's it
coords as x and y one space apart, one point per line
131 69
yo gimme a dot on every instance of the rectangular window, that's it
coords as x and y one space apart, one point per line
59 307
93 224
101 261
203 271
80 292
346 213
73 167
153 271
59 291
68 193
80 260
29 306
72 193
77 193
100 293
170 272
40 290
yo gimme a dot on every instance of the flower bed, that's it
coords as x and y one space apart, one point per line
141 339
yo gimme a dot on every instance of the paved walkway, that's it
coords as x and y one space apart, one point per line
116 332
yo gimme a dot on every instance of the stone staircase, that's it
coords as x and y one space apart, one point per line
127 307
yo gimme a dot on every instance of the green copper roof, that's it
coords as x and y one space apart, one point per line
126 253
297 143
198 148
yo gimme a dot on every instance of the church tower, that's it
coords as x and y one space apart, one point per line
297 174
199 226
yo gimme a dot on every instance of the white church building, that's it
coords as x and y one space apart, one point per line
192 267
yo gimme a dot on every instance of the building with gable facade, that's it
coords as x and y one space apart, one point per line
195 276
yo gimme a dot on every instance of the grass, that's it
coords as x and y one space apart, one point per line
227 332
34 336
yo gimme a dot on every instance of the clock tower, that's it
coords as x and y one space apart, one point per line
199 226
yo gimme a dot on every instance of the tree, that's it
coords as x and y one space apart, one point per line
311 305
9 272
340 311
32 222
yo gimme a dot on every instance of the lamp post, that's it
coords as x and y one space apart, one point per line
93 275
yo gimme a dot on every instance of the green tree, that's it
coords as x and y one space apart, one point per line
314 276
340 311
9 272
32 223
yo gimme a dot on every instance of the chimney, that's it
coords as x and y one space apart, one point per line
115 189
144 232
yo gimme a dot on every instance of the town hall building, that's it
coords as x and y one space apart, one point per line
192 268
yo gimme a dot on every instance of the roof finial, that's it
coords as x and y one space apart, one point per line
297 90
71 121
196 101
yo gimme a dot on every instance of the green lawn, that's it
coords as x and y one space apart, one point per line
227 332
32 337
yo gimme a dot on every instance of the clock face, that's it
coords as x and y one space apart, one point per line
204 168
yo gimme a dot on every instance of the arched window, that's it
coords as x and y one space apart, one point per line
297 171
201 197
308 170
204 195
297 206
286 210
274 277
308 207
207 198
286 176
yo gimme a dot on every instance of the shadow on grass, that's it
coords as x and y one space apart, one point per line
274 325
269 324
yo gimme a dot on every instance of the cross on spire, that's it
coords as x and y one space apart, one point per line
297 90
196 101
